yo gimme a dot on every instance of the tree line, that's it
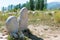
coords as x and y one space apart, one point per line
31 5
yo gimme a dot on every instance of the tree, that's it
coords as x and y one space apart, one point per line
37 4
28 5
19 6
10 7
41 4
16 8
23 5
45 4
3 9
31 4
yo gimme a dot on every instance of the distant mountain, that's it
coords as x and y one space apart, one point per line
53 5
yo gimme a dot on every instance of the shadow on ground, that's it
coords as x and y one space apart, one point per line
28 34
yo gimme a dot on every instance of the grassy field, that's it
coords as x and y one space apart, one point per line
35 17
49 18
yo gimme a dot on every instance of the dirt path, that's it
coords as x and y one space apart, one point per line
41 31
45 32
3 37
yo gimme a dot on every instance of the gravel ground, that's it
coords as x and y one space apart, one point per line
3 37
45 32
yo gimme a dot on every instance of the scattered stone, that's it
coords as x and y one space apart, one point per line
1 37
45 29
5 37
55 36
33 12
4 31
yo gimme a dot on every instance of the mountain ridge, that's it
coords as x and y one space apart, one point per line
53 5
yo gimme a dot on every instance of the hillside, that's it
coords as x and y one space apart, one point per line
53 5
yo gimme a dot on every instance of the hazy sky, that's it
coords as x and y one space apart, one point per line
5 3
48 1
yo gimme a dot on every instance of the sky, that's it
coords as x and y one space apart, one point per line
5 3
48 1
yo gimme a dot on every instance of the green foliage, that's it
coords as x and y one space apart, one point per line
41 4
45 4
24 5
28 5
38 5
10 38
32 4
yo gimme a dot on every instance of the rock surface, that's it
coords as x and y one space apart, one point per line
23 18
12 24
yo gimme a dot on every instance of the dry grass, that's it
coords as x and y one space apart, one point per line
35 17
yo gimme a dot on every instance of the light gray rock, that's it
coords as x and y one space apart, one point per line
12 27
23 18
12 24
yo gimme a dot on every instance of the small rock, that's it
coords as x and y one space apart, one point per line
55 36
45 29
1 37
